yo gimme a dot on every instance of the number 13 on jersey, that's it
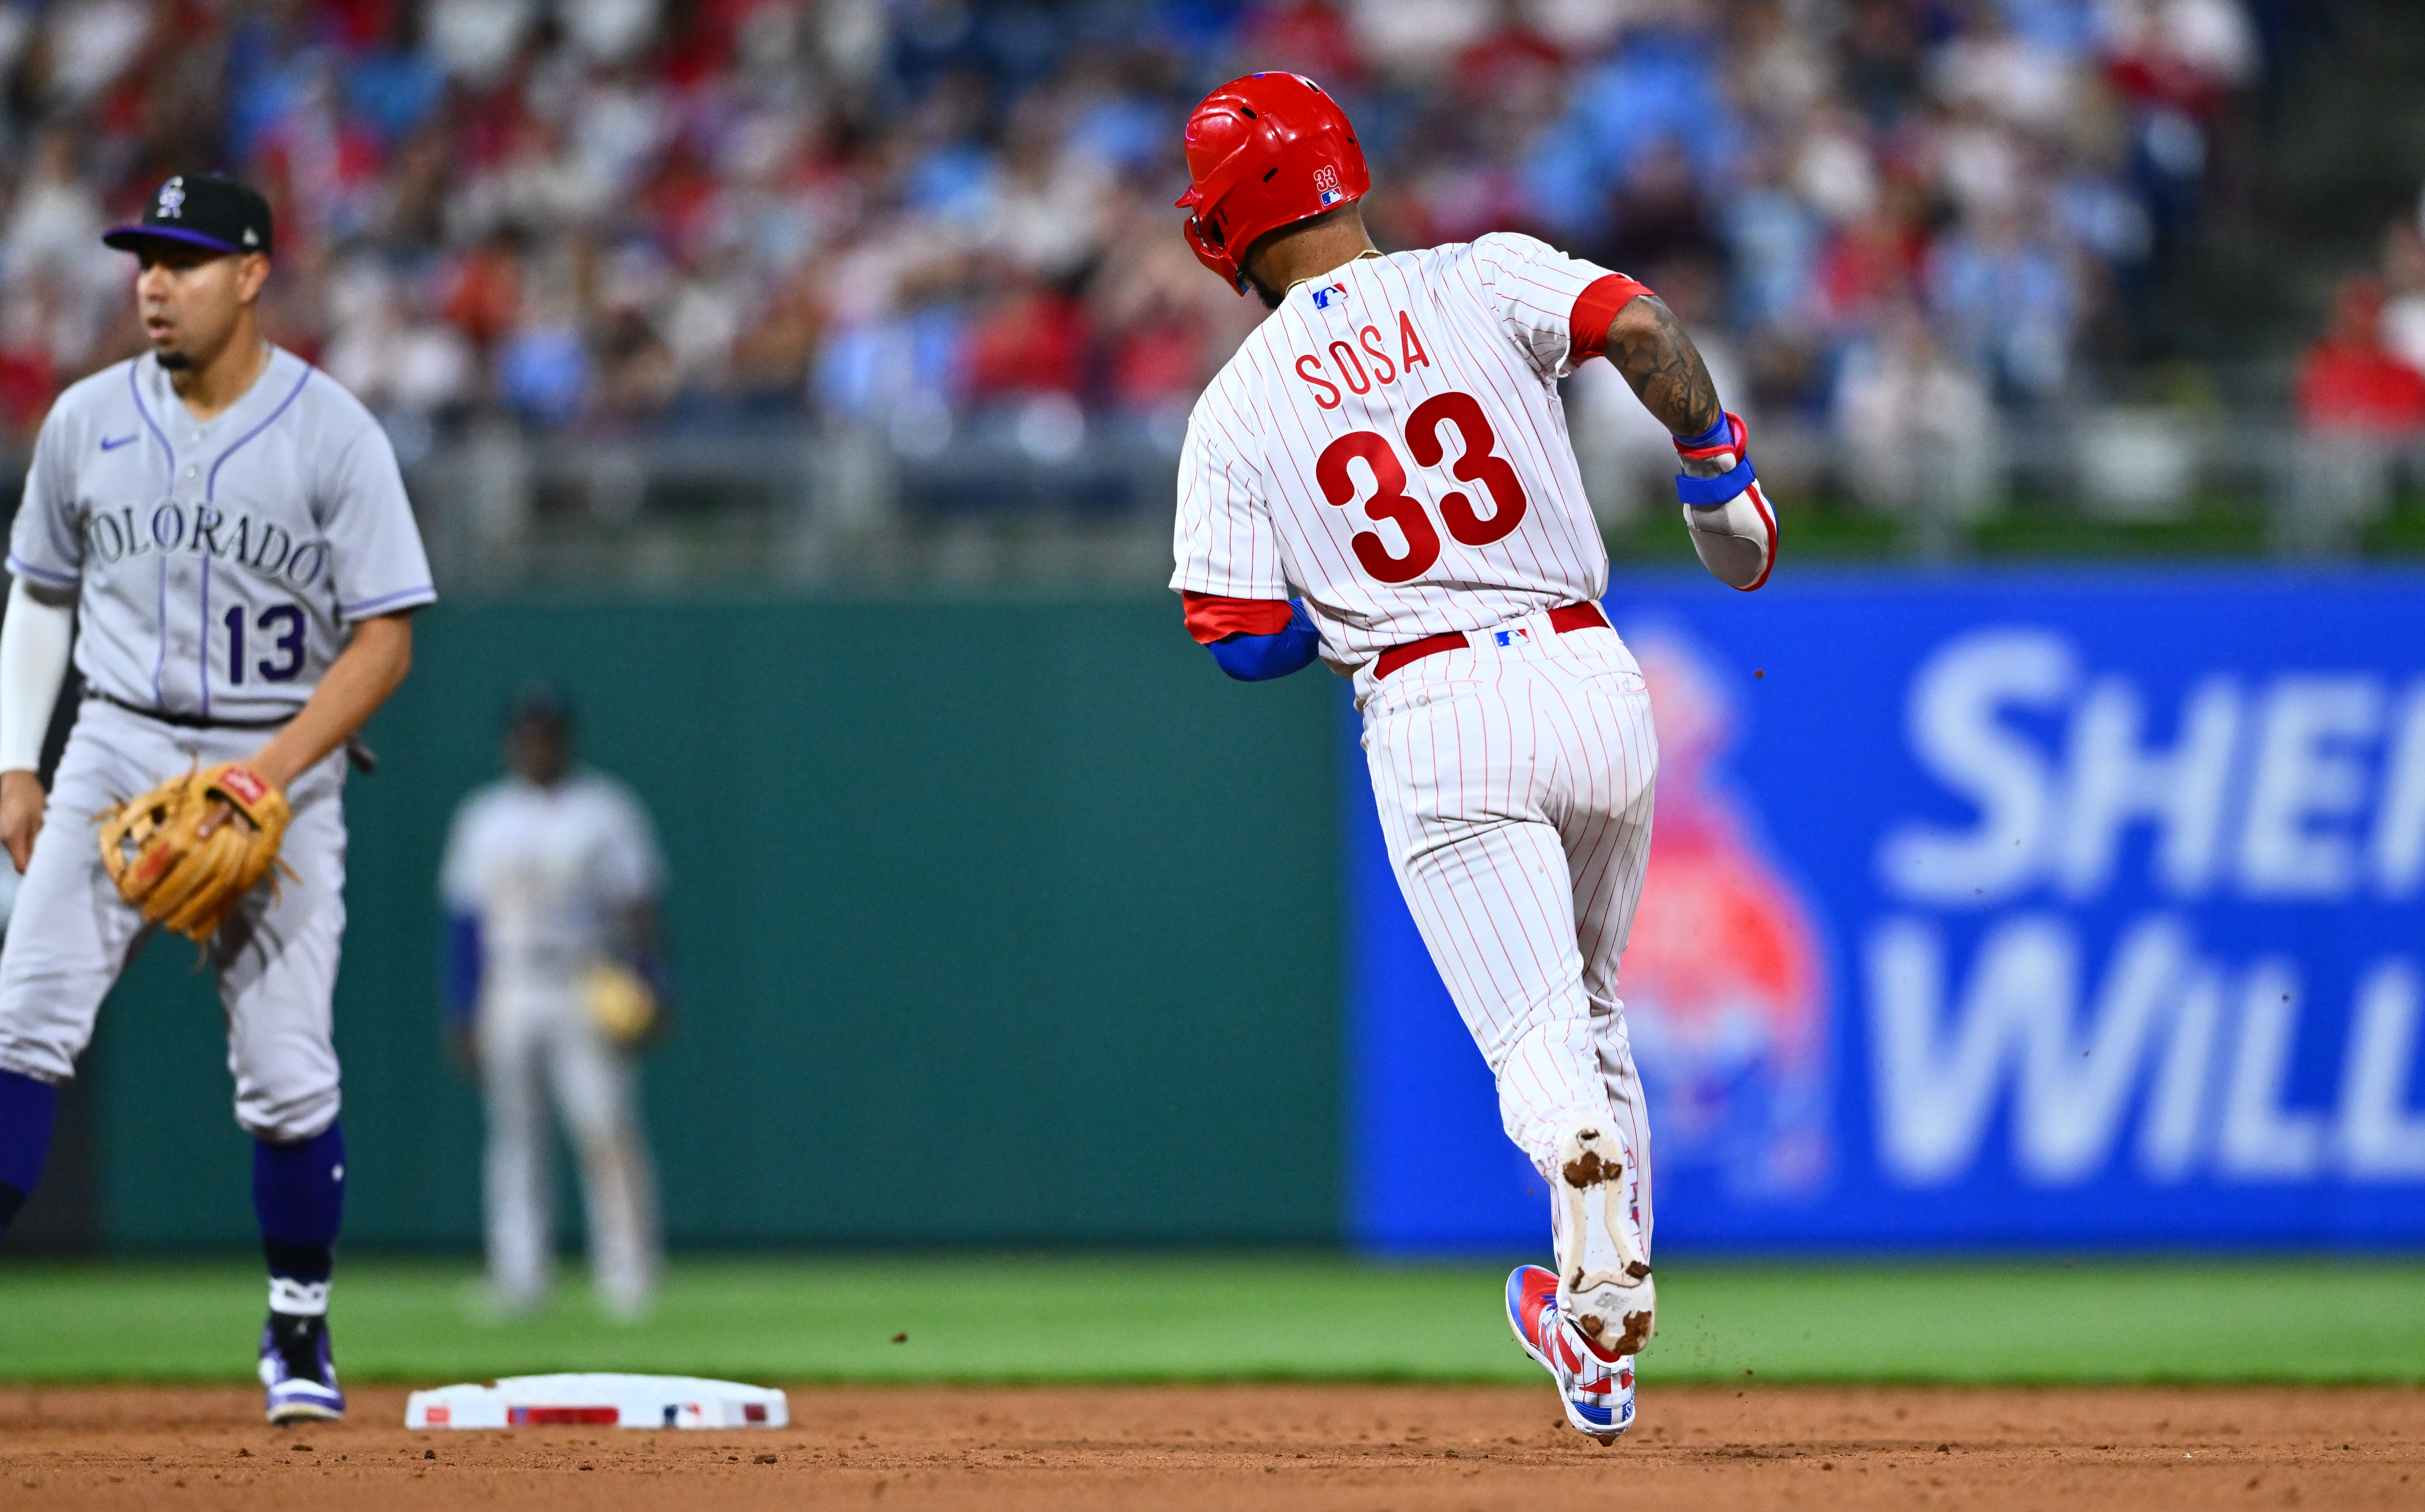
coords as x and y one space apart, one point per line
286 621
1478 462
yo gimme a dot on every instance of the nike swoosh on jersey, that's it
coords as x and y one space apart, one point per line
111 443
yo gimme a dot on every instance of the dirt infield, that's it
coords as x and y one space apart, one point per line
1403 1448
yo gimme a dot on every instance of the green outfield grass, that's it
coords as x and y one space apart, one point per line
1259 1318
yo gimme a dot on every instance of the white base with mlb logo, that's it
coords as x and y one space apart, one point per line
598 1399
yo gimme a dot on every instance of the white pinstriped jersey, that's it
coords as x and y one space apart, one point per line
1390 443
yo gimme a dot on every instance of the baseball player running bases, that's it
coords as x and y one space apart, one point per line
221 534
1389 448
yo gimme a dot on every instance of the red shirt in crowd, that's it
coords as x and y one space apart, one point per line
2347 382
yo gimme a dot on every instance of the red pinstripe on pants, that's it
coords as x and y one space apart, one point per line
1514 785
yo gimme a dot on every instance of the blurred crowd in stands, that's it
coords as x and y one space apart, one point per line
613 214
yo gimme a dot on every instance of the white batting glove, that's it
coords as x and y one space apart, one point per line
1734 530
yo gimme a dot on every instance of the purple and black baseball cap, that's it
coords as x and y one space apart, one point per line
201 210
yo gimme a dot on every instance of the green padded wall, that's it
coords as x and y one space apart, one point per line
995 923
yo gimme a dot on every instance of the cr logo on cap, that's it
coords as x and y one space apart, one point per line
172 199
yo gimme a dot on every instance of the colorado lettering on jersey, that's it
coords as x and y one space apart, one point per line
219 563
174 529
1350 362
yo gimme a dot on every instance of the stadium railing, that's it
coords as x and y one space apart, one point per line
831 507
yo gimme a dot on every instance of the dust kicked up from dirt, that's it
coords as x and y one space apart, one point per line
1169 1448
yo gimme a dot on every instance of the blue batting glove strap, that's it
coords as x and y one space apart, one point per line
1709 492
1721 434
1262 658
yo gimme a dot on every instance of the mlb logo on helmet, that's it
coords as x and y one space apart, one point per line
1255 147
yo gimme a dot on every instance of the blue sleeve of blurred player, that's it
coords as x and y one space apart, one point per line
462 969
1261 658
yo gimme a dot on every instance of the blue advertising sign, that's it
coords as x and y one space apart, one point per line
1983 910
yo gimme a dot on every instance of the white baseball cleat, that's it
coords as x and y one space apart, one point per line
1604 1282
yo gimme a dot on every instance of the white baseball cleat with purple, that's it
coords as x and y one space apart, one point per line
300 1371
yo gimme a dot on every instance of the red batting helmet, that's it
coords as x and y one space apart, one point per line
1264 151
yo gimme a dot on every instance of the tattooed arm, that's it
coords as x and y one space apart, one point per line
1733 529
1648 346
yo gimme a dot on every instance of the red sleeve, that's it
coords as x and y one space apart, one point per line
1594 308
1209 617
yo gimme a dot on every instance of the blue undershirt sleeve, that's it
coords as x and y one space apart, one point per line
1261 658
462 969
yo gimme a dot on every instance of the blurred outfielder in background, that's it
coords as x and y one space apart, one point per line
554 982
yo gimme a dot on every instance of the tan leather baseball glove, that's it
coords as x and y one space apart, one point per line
622 1003
156 851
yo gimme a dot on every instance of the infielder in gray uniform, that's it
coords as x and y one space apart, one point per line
229 528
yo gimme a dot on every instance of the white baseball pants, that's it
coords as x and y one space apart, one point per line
1514 784
539 1047
275 957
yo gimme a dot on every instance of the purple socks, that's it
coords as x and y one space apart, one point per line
27 1110
298 1193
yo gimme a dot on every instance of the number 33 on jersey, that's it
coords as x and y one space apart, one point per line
1391 443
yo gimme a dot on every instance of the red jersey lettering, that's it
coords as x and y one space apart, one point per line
1370 339
1318 381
